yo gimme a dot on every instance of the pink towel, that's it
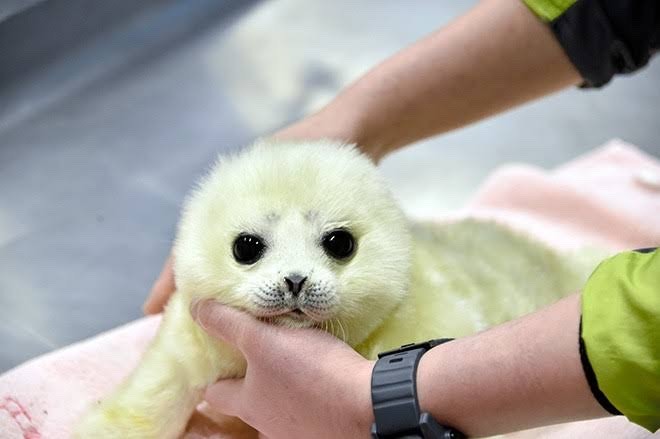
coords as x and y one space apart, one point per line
608 198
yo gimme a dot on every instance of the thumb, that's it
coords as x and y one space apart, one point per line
225 396
230 325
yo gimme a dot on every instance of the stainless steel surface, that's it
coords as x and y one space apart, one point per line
12 7
92 173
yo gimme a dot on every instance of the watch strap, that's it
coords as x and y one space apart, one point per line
394 396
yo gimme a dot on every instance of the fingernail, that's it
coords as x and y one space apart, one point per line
195 305
195 308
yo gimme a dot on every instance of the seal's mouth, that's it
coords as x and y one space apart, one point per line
295 317
296 314
292 315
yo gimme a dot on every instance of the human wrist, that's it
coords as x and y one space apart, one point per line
361 412
434 390
359 122
337 121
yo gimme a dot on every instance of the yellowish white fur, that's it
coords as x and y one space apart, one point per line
405 282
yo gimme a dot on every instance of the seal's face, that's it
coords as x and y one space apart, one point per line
301 234
294 280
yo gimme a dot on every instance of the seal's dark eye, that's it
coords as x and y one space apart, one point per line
339 244
248 249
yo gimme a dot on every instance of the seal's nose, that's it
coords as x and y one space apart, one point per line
295 282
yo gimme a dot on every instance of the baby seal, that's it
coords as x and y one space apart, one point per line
307 234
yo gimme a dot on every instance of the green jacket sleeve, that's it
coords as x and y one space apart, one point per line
620 335
603 38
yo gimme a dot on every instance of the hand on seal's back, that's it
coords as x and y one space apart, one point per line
299 382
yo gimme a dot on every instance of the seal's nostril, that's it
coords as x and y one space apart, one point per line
295 282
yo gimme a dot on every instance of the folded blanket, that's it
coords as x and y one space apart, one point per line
608 198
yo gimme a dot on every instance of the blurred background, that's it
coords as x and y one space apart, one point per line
109 111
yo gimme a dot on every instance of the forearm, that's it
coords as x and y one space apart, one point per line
495 57
521 374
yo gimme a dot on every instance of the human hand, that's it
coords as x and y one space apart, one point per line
299 382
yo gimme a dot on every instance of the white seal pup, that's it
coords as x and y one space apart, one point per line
307 234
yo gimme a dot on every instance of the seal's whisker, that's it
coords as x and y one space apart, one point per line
332 325
343 332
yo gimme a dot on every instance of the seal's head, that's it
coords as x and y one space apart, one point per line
301 233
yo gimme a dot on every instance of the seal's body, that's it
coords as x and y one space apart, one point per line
306 234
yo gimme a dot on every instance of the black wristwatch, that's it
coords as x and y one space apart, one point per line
394 396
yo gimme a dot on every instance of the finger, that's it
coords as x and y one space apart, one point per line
235 327
225 396
162 289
